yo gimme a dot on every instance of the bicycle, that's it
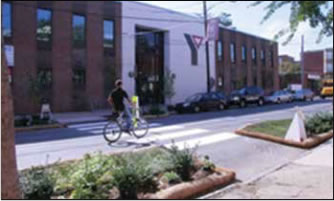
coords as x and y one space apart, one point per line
113 131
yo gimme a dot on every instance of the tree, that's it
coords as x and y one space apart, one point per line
224 18
9 174
316 13
288 67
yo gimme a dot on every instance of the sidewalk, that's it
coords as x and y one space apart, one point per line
310 177
82 117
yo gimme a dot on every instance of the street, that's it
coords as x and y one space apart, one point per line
211 133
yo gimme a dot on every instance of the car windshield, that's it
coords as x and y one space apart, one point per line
242 91
193 98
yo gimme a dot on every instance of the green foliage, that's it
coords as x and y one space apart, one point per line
90 180
183 161
36 183
156 110
319 123
208 165
130 177
172 178
316 13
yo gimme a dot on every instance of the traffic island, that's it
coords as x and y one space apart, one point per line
275 131
39 127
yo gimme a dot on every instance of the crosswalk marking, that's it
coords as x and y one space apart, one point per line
171 136
203 141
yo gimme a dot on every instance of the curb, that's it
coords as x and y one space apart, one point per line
41 127
307 144
189 190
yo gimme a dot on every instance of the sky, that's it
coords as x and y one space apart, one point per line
248 19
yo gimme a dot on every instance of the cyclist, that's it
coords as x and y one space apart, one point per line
116 99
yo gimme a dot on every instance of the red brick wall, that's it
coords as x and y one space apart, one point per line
249 69
60 56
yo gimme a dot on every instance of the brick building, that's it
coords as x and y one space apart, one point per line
245 60
62 51
317 65
71 52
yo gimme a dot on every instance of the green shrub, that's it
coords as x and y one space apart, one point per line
208 165
172 178
183 162
131 177
319 123
36 184
156 110
91 178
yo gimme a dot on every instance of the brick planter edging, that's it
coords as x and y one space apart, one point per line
307 144
195 188
40 127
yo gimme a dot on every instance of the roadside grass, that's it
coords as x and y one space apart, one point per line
277 128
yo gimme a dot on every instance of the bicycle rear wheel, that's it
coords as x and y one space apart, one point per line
141 128
112 132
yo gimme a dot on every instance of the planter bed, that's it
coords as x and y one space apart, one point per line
154 173
309 143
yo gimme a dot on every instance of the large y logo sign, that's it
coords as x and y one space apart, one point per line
194 43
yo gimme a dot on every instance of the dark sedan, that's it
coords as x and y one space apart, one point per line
203 102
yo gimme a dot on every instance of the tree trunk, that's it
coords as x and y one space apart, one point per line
9 173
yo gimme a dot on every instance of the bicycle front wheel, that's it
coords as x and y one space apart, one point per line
112 132
141 128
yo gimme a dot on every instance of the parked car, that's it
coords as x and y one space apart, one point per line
304 95
203 102
280 97
248 95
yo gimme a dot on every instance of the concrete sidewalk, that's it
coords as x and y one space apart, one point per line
310 177
82 117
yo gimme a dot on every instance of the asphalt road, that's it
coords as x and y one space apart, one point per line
210 133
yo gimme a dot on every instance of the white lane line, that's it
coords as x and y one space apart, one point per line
87 125
171 136
101 126
203 141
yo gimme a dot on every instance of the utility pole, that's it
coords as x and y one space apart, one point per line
302 64
207 47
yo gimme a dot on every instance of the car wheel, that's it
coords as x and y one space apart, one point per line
279 101
261 102
221 106
197 109
243 104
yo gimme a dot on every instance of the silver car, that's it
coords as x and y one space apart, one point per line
280 97
304 95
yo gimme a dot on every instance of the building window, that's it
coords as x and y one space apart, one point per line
108 34
44 76
79 30
244 53
263 57
44 27
329 55
254 55
220 50
330 68
79 77
232 52
271 53
6 16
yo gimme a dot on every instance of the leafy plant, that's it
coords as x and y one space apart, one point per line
131 178
183 161
208 165
92 179
36 183
172 178
319 123
156 110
